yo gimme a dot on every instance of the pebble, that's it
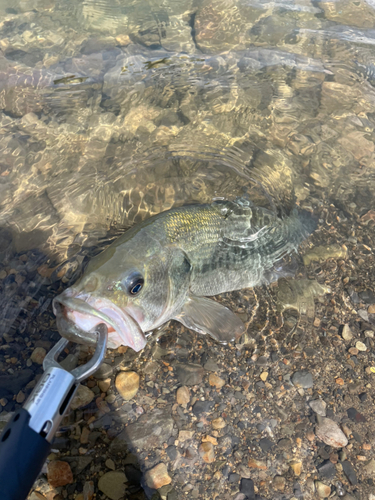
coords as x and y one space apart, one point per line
339 381
207 452
82 397
266 444
183 396
278 483
20 397
323 490
38 355
360 346
330 433
354 415
104 371
327 469
84 438
189 373
185 435
59 473
218 423
104 385
150 431
302 379
369 334
347 333
263 376
247 488
211 366
369 468
349 472
371 309
88 490
202 407
112 484
216 381
110 464
127 384
319 407
256 464
296 467
158 476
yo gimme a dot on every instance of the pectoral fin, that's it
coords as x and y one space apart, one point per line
206 316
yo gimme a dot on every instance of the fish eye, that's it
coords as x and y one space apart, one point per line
134 283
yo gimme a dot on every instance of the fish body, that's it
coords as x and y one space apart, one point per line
165 267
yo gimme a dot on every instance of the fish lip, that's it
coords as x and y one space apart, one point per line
123 323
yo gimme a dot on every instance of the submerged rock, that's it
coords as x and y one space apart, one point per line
330 433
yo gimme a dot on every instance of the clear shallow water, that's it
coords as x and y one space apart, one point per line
113 111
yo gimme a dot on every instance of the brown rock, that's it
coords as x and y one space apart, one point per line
84 438
216 381
296 467
127 384
371 309
82 397
59 473
218 423
183 395
158 476
206 451
88 490
339 381
104 385
38 355
209 439
256 464
279 483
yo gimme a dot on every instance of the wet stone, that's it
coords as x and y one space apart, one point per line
302 379
247 488
103 372
127 384
216 381
327 469
349 472
296 467
318 406
360 346
354 415
172 452
234 478
369 467
266 444
82 397
278 483
218 423
151 430
362 397
183 396
211 366
202 407
12 384
347 333
206 451
157 477
112 484
329 432
322 490
38 355
59 473
189 373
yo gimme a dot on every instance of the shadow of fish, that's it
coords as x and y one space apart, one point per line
165 267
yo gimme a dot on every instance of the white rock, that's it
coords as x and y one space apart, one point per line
330 433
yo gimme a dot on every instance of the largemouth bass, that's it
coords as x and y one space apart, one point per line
165 267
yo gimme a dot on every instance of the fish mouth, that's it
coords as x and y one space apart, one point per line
77 317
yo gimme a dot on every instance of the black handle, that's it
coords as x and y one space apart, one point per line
22 455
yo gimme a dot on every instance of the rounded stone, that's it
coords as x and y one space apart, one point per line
206 451
183 396
216 381
112 484
158 476
104 371
218 423
104 385
360 346
323 490
38 355
330 433
82 397
347 333
302 379
127 384
59 473
278 483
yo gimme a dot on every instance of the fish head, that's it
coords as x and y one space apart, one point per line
133 287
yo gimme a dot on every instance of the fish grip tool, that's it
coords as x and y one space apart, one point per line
26 440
